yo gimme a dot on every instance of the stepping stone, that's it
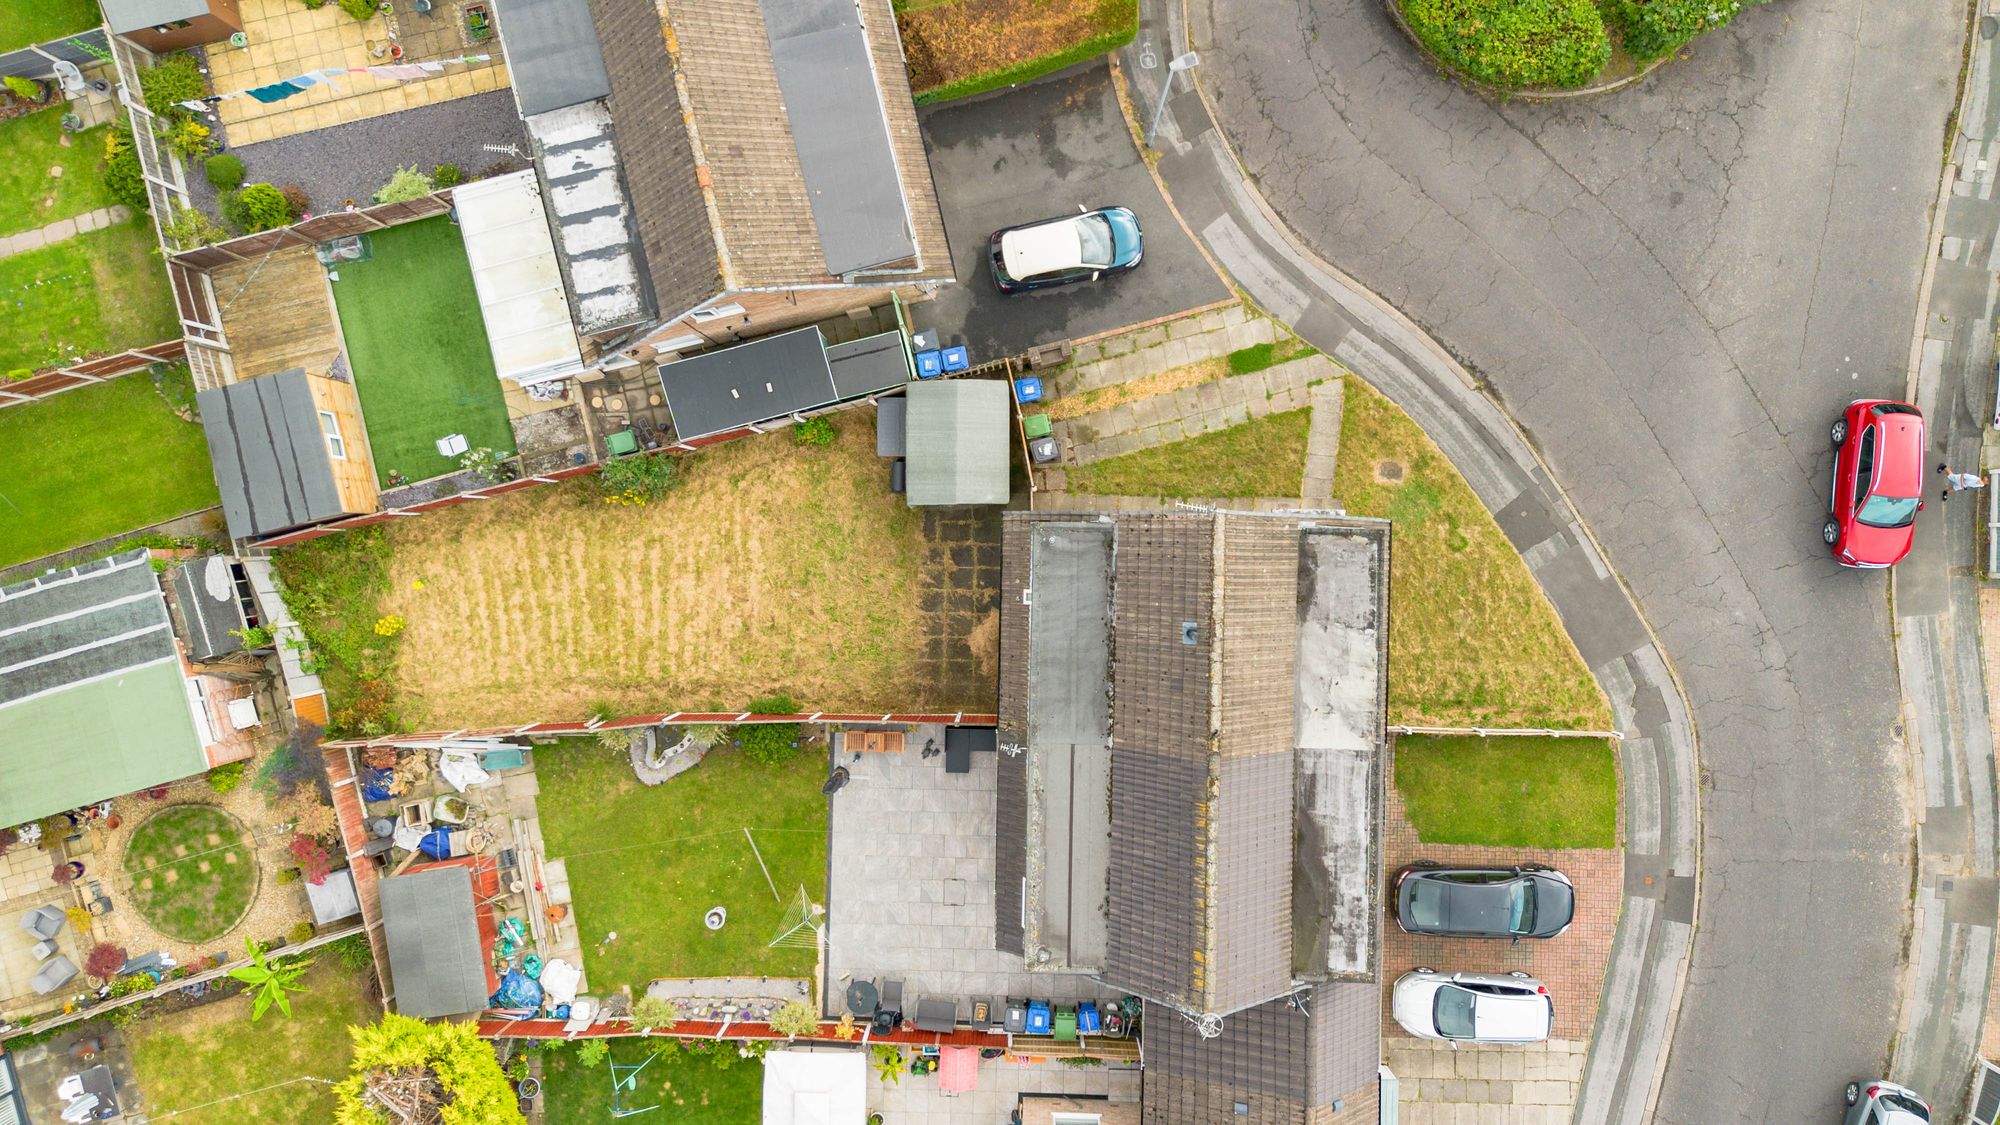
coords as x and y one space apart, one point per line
229 857
173 876
202 867
180 849
214 840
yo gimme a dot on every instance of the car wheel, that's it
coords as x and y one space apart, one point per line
1853 1093
1517 974
1830 532
1837 433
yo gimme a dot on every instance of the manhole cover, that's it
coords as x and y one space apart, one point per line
1389 472
1988 27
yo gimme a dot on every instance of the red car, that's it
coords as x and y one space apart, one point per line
1878 475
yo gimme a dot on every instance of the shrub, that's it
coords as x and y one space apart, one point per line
815 432
447 175
488 464
296 199
23 88
175 78
771 743
464 1065
591 1052
389 624
63 874
122 173
1514 43
20 374
226 777
654 1013
224 171
298 761
104 960
636 480
313 860
254 636
352 952
300 933
795 1018
359 9
1651 29
126 986
79 918
406 184
190 227
287 876
256 207
188 137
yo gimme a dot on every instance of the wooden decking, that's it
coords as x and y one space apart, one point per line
277 314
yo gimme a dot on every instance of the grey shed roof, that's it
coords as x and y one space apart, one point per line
958 435
552 55
835 108
864 366
435 964
205 593
137 15
270 458
767 378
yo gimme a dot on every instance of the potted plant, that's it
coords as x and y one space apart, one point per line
67 872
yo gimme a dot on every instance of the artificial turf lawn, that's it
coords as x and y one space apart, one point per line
95 462
207 1056
1262 457
33 145
102 291
1473 641
1509 792
24 23
647 863
418 348
685 1086
189 872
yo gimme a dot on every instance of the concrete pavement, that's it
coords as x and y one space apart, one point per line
1672 290
1649 954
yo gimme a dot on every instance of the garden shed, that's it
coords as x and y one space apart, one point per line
437 963
956 443
815 1088
518 279
288 451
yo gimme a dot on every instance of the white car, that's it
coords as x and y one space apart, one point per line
1882 1102
1473 1007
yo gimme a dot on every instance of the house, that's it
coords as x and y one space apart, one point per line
160 26
1216 682
96 698
772 171
288 451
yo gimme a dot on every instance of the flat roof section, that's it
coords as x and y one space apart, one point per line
764 379
552 55
436 966
834 101
1338 704
958 442
1069 759
873 363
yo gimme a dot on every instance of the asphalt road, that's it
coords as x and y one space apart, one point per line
1674 289
1032 153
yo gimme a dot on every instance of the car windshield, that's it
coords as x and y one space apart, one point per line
1453 1012
1427 903
1521 912
1887 511
1095 232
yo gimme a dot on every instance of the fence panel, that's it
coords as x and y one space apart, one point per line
85 48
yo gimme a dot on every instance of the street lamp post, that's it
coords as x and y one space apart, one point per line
1185 62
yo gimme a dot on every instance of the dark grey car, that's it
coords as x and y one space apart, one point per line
1512 902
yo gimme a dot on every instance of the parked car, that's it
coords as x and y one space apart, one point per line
1527 901
1473 1007
1065 249
1884 1103
1878 477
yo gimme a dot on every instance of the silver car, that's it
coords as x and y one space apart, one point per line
1882 1102
1473 1007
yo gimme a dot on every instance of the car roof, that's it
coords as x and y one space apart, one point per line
1042 248
1899 464
1514 1016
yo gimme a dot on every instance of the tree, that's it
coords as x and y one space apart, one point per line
273 981
415 1073
104 961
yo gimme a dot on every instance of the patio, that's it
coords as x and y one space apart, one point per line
1003 1083
286 40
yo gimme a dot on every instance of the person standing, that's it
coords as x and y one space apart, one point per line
1958 482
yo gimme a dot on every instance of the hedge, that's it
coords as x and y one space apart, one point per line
1651 29
1514 43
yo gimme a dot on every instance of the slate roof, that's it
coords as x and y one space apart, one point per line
1280 1059
552 56
137 15
270 458
93 703
436 965
957 443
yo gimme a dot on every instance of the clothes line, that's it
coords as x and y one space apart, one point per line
285 88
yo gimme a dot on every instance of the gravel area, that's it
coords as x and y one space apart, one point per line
351 161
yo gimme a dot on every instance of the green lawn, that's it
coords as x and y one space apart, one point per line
189 872
684 1085
27 22
1510 792
418 347
91 463
1262 457
104 291
1473 641
200 1057
33 145
647 863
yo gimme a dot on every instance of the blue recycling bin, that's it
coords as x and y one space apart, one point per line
930 365
1028 388
957 358
1087 1019
1038 1017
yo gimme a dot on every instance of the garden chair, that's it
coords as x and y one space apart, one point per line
43 922
58 972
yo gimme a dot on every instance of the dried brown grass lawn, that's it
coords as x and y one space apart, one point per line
770 568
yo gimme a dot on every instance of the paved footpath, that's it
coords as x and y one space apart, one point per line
63 230
1649 955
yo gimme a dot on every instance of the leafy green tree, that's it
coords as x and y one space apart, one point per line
273 981
438 1064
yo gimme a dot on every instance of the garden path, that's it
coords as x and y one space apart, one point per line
62 230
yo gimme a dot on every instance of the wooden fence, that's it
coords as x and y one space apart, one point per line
626 722
55 380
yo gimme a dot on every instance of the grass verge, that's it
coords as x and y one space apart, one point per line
200 1067
91 463
24 23
29 198
102 291
1242 361
190 873
421 362
958 48
647 862
1510 792
684 1081
333 586
1262 457
1473 641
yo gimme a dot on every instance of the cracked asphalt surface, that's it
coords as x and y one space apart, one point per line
1674 289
